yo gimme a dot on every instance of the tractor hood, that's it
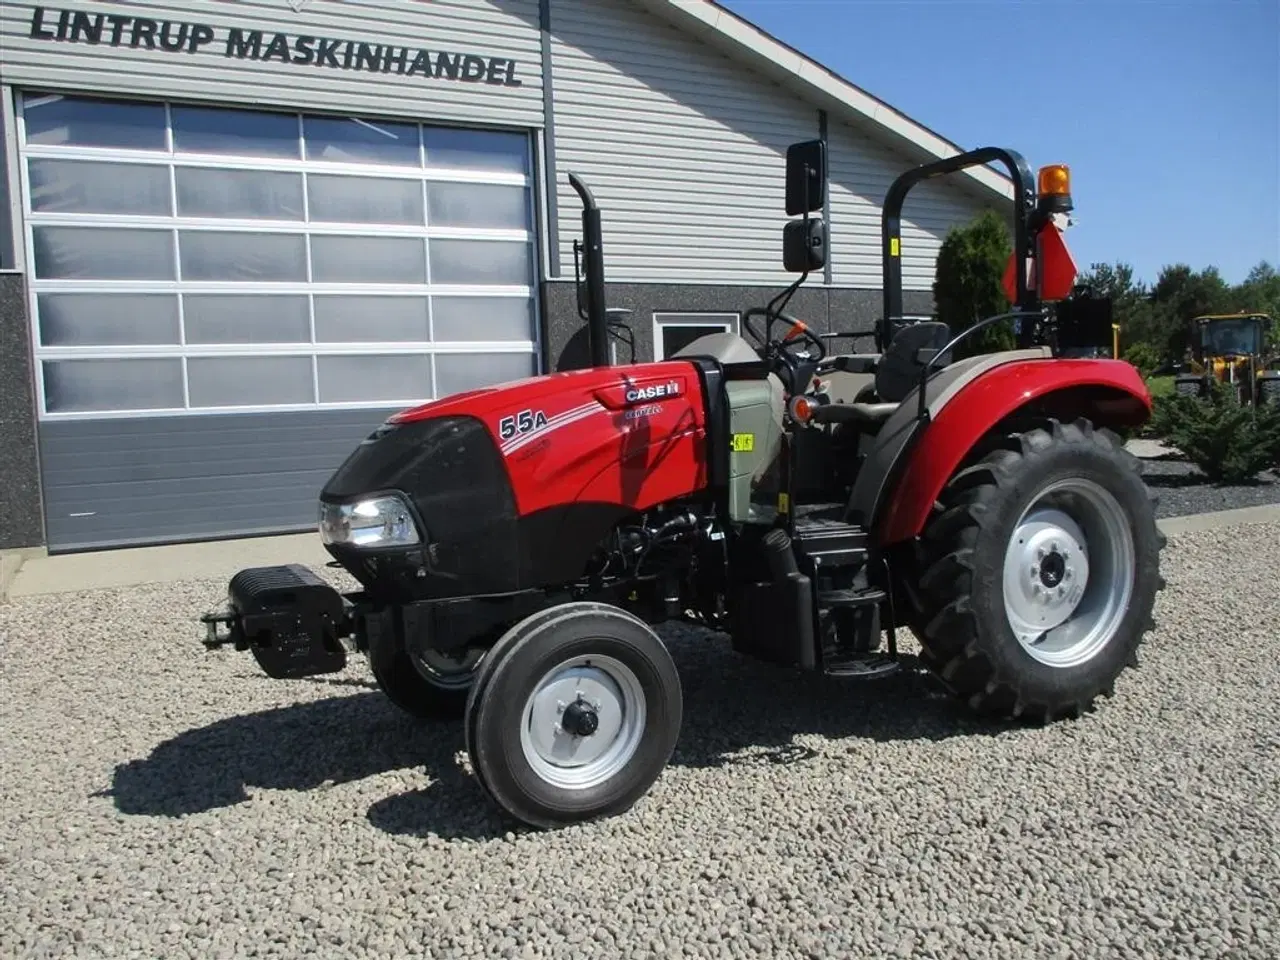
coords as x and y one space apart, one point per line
498 489
423 508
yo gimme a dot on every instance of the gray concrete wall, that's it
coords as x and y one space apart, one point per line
825 309
21 509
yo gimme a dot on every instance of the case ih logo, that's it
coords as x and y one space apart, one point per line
655 391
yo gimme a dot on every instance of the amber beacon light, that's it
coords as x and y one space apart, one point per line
1054 187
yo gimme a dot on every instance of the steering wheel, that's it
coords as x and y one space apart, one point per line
798 331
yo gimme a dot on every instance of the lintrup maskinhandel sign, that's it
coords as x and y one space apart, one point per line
243 43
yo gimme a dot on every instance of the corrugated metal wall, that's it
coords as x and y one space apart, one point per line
685 149
861 172
186 50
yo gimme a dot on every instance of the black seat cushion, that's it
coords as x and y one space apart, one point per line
898 372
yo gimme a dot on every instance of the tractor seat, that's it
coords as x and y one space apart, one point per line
914 346
897 374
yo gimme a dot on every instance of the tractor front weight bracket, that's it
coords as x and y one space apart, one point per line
295 624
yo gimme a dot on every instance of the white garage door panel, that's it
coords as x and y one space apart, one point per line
190 262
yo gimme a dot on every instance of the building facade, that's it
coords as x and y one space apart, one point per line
235 236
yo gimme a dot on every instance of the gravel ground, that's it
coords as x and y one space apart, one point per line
161 801
1184 491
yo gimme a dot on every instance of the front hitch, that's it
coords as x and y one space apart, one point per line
226 617
292 622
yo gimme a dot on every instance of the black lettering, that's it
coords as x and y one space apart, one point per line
304 52
86 27
201 34
472 68
369 57
169 41
118 23
421 64
324 53
176 36
400 58
144 31
38 30
447 63
279 48
242 45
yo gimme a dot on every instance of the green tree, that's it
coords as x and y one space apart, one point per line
1260 293
1180 294
1143 356
967 284
1229 441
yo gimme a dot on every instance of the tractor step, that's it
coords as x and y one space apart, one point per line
828 599
863 666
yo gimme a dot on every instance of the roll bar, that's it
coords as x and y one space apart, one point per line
1025 224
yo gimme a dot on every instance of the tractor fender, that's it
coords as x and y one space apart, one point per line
923 455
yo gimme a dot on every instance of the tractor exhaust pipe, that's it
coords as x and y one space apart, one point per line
592 249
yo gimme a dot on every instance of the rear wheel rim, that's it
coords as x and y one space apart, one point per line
1069 573
445 670
583 722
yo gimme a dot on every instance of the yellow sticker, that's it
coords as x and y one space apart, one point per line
744 442
784 503
894 244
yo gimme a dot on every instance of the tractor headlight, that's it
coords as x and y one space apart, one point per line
376 522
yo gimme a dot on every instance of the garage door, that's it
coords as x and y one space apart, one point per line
224 301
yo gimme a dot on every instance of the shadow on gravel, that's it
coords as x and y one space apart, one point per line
736 711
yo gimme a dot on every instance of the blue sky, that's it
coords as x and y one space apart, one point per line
1168 111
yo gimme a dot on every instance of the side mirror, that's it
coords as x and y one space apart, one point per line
804 246
806 176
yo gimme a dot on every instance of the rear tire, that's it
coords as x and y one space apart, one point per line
573 715
1039 571
429 687
1188 388
1269 391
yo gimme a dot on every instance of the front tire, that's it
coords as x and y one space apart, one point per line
573 716
1040 569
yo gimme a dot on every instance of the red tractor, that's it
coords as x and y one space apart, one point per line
516 545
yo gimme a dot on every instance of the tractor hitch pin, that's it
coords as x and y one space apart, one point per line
213 638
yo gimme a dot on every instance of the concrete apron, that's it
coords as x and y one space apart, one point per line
93 570
27 573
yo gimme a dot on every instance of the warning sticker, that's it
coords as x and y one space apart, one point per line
744 442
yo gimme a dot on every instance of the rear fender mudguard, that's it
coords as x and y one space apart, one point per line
1111 393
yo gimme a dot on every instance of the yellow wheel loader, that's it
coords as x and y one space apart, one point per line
1231 348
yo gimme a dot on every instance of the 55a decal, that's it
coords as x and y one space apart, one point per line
522 422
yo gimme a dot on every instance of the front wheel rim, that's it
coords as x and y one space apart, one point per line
1069 573
583 722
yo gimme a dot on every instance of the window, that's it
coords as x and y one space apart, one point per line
675 331
195 259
